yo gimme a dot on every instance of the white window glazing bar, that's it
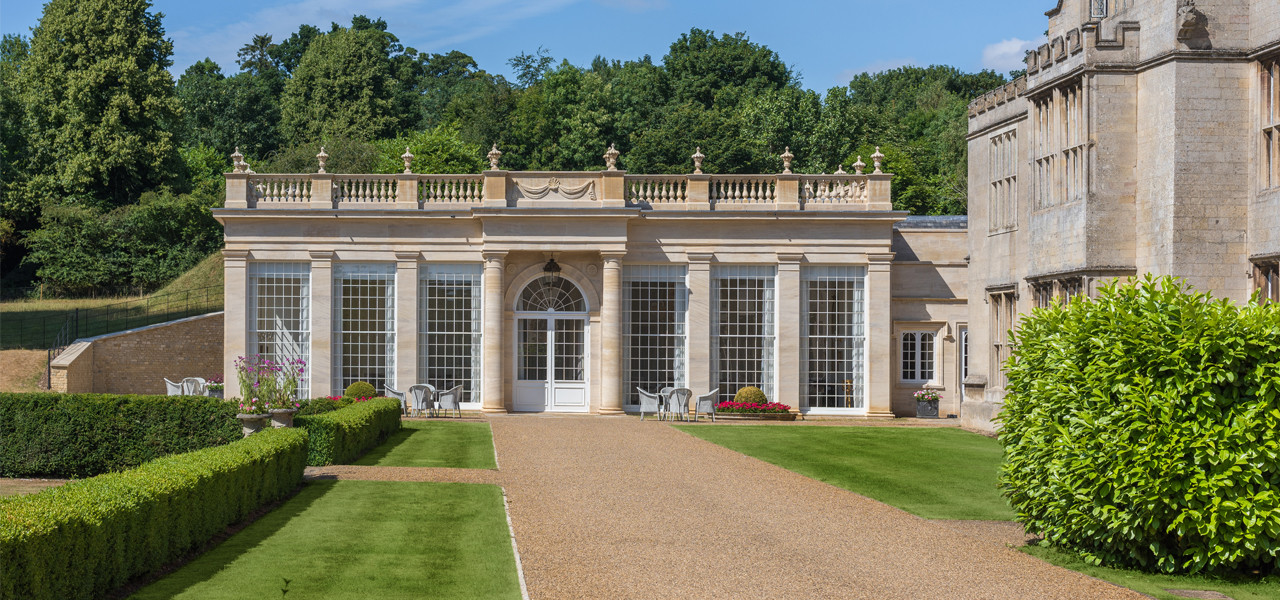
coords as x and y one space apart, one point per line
280 313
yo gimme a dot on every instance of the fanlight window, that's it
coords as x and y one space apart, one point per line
552 294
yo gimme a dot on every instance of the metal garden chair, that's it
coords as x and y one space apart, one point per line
649 403
451 400
706 404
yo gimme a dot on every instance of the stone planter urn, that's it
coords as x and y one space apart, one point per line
283 417
252 423
926 409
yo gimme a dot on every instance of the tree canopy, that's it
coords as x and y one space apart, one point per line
91 118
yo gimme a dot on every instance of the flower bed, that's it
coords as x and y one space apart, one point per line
731 407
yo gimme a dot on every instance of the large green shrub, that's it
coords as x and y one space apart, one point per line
79 435
1143 429
341 436
750 394
88 537
360 389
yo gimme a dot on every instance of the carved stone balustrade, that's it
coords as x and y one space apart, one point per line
561 189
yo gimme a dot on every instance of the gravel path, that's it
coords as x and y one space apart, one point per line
611 507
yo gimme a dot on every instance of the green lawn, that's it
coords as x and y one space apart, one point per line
435 444
362 539
930 472
1155 585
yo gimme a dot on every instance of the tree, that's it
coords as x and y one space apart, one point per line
228 112
343 87
530 68
255 57
288 54
17 211
702 65
99 102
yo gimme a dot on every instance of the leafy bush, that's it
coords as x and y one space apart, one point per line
79 435
317 406
360 389
88 537
1142 429
343 435
750 395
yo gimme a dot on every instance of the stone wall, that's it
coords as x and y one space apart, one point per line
138 360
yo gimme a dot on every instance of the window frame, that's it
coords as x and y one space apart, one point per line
917 356
1269 123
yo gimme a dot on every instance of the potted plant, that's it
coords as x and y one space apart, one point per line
927 403
270 389
215 385
253 415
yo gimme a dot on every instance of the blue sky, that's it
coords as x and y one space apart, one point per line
825 42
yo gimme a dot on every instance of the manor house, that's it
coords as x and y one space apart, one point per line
1144 138
567 291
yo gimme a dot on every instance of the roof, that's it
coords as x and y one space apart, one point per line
933 222
1055 10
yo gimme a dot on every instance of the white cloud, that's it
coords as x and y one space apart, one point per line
423 24
876 67
1008 55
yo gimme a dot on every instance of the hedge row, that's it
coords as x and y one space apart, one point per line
81 435
89 537
1142 429
342 435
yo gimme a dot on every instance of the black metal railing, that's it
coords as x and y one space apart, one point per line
43 329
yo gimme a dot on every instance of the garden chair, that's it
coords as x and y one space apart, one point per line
172 388
706 404
423 397
666 404
404 403
194 386
450 400
649 402
678 403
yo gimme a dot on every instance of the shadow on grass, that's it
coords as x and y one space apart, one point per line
393 441
198 568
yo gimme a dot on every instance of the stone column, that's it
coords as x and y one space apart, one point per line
789 362
491 393
611 335
321 323
406 320
699 331
235 332
880 357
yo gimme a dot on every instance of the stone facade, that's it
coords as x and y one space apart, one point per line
1138 142
806 283
138 360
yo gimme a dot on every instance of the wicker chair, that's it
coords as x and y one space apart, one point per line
423 397
404 403
678 403
451 400
194 386
649 403
172 388
706 404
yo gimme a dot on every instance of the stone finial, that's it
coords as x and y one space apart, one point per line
407 157
877 158
237 162
611 158
840 170
859 166
322 157
494 155
697 160
787 157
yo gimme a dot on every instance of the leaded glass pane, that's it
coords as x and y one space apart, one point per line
364 324
280 310
834 342
449 327
743 328
655 300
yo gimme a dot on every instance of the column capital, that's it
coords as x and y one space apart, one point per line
494 255
408 256
612 257
700 257
322 255
790 257
235 258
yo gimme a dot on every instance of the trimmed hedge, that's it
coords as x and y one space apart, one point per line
1142 429
340 436
81 435
88 537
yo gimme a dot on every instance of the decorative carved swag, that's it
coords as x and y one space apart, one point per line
587 189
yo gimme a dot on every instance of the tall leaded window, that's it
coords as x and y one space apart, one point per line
280 309
364 324
834 338
656 302
1270 120
917 356
1266 280
1003 164
1003 311
742 322
449 327
1060 140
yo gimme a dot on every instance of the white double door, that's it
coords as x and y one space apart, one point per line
551 363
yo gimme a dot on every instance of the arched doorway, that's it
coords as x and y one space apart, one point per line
551 347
